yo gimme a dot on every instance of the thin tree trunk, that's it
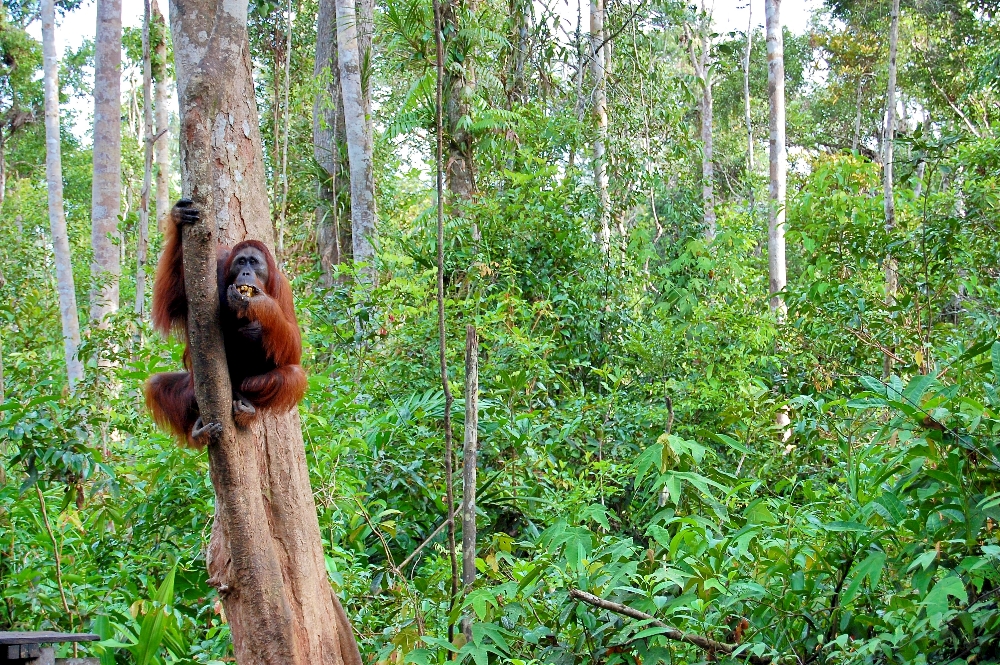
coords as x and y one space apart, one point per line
3 282
857 115
57 217
598 65
469 462
107 184
459 89
700 63
327 111
889 205
746 95
778 169
359 148
265 556
3 167
162 119
449 453
142 241
778 157
283 209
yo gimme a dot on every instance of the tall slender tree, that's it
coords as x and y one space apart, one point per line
700 54
888 136
746 92
107 183
459 90
162 145
359 147
332 237
57 216
598 69
142 239
778 157
265 555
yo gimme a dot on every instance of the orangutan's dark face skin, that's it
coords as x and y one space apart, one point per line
248 272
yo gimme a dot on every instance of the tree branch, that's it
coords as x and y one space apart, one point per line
671 633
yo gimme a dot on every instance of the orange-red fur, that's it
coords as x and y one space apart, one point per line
266 372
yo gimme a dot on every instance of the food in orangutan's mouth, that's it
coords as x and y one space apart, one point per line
246 290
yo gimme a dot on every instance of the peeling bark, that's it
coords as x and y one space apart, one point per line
265 555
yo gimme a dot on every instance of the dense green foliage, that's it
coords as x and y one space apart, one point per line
628 445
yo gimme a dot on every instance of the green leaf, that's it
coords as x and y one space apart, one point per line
870 569
155 621
936 602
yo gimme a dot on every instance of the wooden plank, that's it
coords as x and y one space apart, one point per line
44 637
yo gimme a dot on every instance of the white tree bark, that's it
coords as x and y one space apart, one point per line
778 157
142 241
57 217
598 67
889 204
162 147
107 184
359 147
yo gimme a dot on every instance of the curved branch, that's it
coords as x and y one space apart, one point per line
671 633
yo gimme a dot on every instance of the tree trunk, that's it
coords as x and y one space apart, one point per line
359 147
778 169
746 93
3 283
162 119
459 89
777 156
265 556
3 167
598 65
469 462
287 118
142 241
328 135
106 191
889 205
57 216
700 63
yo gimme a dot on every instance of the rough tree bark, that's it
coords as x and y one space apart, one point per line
598 65
106 200
57 216
889 204
162 147
265 556
469 463
333 238
359 146
142 241
700 61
